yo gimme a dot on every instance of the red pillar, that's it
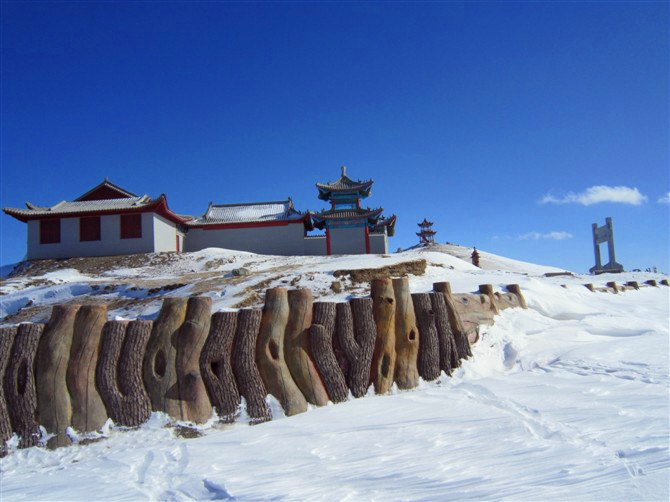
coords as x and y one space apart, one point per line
327 242
367 240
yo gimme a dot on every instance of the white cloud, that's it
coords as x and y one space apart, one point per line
598 194
664 199
554 236
536 236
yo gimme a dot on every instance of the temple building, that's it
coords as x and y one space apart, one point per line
109 220
105 221
351 229
260 227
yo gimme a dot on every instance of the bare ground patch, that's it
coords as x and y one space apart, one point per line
403 269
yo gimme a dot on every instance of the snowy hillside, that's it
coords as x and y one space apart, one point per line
565 400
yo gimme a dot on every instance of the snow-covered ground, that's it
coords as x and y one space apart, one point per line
566 400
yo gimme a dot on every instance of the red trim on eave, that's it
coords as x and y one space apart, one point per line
254 224
328 242
367 240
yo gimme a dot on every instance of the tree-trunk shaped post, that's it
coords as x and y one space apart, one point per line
270 353
297 348
651 282
249 381
159 367
321 336
406 374
7 336
508 300
383 356
515 289
19 384
119 371
487 289
54 405
216 366
88 410
190 390
429 352
445 337
357 332
457 328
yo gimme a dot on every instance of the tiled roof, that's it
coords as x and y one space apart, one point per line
65 207
341 214
97 207
218 214
344 184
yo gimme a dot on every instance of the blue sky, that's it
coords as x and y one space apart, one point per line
494 120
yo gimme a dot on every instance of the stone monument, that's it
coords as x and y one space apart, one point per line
600 235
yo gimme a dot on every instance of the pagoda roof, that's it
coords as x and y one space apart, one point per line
426 232
65 209
280 212
344 184
389 223
425 223
371 215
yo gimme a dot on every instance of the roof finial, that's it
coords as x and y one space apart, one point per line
344 170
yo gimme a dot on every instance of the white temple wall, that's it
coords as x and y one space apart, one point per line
282 240
378 243
110 243
316 246
347 241
165 235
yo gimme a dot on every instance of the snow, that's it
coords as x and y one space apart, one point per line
565 400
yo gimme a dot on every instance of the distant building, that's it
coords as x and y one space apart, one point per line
426 233
109 220
105 221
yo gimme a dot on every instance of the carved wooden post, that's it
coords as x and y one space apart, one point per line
88 410
515 289
633 284
270 353
457 329
383 356
321 336
446 342
614 287
20 391
216 366
356 330
54 405
429 352
297 349
7 336
664 282
191 391
588 286
119 371
249 381
407 341
159 367
487 289
651 282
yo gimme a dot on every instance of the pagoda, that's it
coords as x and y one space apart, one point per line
350 228
426 234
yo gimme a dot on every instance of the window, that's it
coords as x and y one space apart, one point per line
89 228
131 226
49 231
